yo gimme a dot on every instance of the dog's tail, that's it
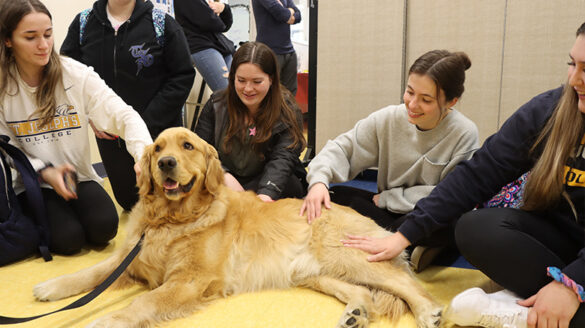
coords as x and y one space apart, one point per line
388 305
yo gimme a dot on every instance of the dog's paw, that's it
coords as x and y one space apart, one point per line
49 290
430 319
356 317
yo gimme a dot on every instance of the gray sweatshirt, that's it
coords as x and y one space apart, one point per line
410 162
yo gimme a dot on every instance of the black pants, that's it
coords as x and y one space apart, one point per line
361 201
288 71
514 248
119 165
92 218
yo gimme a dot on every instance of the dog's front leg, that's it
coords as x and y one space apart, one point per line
79 282
174 299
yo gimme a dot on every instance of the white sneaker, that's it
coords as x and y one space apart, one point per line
504 295
474 307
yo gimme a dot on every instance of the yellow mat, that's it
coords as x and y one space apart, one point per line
296 307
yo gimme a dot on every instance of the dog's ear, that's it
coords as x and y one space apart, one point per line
214 174
145 179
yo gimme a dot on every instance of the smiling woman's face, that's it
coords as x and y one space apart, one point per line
422 102
252 85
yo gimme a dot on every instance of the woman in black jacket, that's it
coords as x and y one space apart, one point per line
256 127
149 70
204 23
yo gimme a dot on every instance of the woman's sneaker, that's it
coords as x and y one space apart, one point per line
474 307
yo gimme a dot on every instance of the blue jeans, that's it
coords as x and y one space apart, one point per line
214 67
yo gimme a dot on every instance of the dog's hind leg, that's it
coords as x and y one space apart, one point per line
392 277
358 299
398 281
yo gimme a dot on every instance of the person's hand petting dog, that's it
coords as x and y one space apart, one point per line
381 249
318 194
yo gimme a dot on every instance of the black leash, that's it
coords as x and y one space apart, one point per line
89 297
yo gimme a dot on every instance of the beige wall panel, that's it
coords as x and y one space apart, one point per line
539 36
359 62
63 13
475 27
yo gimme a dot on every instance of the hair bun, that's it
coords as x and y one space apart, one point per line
464 59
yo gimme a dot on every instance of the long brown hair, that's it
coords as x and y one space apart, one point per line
561 134
11 13
273 108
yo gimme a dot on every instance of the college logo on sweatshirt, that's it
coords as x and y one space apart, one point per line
574 177
63 123
143 58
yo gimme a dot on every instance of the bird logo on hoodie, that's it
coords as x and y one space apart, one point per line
143 58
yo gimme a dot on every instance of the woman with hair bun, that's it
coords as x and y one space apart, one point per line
414 146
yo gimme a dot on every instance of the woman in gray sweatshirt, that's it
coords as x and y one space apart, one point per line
414 145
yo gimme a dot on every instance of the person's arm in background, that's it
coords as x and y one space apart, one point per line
289 14
295 13
197 13
161 112
224 12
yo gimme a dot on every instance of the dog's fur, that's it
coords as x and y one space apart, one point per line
204 241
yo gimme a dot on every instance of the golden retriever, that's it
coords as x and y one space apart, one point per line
204 241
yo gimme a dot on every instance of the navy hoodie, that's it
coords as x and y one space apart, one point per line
504 157
154 79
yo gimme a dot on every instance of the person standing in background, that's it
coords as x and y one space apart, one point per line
273 20
204 23
151 71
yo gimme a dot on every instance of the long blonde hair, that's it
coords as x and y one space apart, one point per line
561 135
11 13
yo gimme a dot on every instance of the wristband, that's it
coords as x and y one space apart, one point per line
557 275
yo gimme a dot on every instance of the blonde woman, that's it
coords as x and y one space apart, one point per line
46 102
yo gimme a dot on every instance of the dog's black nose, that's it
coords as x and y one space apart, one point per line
167 163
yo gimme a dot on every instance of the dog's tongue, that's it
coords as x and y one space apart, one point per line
171 184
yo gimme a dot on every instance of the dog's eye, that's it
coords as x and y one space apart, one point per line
157 148
188 146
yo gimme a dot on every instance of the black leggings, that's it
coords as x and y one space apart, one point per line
361 201
92 218
119 165
514 248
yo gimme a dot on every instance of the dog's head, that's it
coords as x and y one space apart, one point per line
178 164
